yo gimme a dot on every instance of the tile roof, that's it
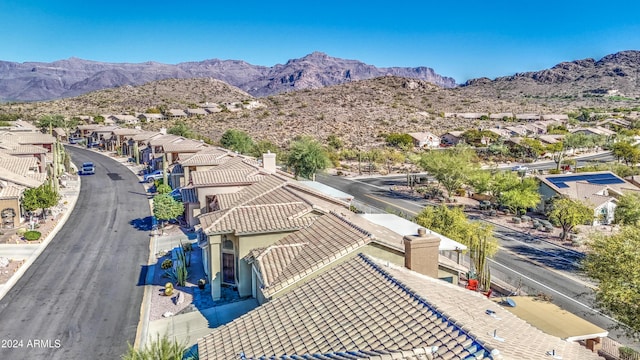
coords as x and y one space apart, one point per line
165 139
18 164
187 146
364 309
11 192
22 180
126 131
257 219
22 149
145 135
353 311
207 156
291 258
520 339
218 176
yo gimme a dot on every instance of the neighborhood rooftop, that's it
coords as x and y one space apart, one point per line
366 309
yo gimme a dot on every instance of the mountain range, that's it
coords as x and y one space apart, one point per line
36 81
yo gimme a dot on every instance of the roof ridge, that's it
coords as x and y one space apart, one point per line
352 225
424 302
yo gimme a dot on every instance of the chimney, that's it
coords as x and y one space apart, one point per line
421 253
269 162
163 131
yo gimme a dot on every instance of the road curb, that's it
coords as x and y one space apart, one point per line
6 287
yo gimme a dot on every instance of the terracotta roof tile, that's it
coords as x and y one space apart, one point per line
218 176
257 219
307 250
353 311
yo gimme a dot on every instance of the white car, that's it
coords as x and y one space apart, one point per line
519 168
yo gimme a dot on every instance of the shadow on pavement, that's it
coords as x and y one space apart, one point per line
142 224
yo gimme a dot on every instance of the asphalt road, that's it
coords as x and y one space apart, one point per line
81 298
533 265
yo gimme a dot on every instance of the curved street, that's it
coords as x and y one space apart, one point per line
524 262
81 298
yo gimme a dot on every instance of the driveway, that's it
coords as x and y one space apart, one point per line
81 298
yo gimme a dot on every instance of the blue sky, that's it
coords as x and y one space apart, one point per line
462 39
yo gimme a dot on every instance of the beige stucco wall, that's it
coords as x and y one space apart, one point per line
242 245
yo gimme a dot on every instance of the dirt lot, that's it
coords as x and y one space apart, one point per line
6 272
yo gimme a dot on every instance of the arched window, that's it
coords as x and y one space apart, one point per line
227 245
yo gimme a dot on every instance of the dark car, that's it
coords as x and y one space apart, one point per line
88 168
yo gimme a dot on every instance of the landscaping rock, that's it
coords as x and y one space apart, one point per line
4 262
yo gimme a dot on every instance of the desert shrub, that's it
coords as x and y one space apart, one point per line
32 235
21 231
166 264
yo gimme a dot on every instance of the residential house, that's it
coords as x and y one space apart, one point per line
196 112
518 130
594 131
19 126
205 159
471 116
527 117
503 134
556 117
60 134
598 190
452 137
151 117
85 131
613 123
212 108
369 308
425 139
176 113
123 119
16 175
501 116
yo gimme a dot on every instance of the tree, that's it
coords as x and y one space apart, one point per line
478 237
628 210
520 199
51 121
623 150
534 147
237 140
42 197
306 157
568 213
399 140
264 146
180 128
451 168
615 262
166 208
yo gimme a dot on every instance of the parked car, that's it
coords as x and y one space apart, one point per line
519 168
88 168
75 140
153 176
93 144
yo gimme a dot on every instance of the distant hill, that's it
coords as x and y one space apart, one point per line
34 81
615 77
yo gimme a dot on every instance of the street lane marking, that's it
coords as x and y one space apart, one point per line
391 204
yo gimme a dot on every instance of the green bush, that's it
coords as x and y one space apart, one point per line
160 348
627 353
166 264
32 235
163 189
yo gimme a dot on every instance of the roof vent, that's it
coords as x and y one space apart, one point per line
422 232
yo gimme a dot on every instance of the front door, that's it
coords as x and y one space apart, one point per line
228 268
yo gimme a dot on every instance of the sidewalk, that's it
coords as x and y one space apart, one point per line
14 250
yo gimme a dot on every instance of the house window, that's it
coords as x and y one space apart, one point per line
227 245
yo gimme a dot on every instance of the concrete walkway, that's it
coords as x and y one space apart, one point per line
188 328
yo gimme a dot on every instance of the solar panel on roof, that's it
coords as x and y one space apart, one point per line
599 179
